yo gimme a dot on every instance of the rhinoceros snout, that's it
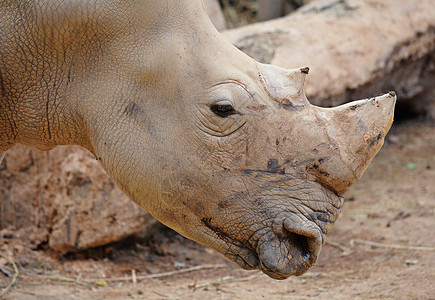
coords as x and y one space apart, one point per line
292 248
300 259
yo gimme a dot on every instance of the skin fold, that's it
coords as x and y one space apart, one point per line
223 149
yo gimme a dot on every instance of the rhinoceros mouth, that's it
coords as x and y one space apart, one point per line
280 228
279 251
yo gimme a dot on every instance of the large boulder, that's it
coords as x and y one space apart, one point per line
64 198
354 48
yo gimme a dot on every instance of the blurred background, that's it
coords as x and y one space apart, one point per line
235 13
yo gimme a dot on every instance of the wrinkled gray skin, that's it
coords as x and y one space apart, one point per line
225 150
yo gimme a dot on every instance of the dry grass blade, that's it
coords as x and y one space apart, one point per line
346 250
14 278
391 246
225 280
185 270
54 278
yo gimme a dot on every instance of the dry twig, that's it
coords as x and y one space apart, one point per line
391 246
129 278
14 278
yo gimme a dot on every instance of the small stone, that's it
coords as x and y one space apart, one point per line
179 265
7 234
313 295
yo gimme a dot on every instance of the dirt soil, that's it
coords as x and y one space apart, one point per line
382 247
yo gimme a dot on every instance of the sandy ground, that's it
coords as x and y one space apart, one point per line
393 206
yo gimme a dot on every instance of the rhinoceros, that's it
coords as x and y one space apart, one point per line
225 150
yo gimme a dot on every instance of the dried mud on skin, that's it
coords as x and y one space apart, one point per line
392 205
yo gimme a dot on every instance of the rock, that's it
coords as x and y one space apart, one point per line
354 48
215 13
64 198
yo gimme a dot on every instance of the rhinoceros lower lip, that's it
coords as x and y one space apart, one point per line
292 251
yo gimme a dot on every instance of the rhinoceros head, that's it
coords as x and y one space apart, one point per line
228 151
249 167
223 149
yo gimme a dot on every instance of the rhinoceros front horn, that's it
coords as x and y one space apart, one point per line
357 130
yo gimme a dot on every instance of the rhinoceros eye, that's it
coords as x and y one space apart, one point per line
223 110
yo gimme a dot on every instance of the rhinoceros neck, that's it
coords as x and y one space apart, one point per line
48 50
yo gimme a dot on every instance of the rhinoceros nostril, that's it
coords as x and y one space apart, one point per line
301 242
303 258
308 238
